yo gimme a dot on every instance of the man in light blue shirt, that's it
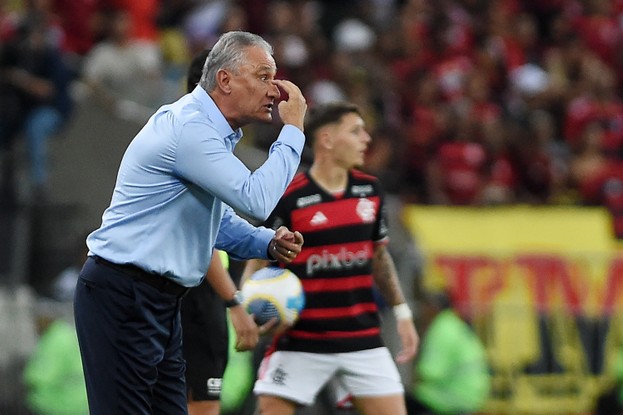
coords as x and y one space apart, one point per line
173 202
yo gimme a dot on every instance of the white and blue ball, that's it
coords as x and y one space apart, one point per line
273 292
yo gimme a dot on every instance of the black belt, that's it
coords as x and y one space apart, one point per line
162 284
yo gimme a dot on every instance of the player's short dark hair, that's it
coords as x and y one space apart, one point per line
321 115
196 69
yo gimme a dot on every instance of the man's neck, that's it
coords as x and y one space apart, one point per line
331 178
224 106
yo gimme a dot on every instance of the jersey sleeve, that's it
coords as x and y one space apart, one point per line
381 229
279 216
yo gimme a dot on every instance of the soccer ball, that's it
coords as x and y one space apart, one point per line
273 292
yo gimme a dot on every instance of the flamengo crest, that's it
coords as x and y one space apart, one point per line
366 210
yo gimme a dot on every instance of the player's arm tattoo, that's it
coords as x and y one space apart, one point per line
386 277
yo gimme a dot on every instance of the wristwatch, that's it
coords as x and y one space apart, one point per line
236 300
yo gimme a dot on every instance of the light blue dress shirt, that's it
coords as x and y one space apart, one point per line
176 187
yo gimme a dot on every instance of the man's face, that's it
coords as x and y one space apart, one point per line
351 141
252 87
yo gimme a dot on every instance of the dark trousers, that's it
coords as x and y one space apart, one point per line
131 344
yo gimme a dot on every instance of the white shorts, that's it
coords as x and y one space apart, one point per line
299 376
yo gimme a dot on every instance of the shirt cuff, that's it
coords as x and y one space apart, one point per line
265 235
293 137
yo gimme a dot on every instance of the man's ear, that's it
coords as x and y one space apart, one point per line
223 80
325 138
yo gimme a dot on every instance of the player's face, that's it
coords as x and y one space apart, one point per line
253 88
351 141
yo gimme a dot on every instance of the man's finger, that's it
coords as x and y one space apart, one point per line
288 86
298 237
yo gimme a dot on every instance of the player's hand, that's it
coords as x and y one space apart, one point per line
286 245
409 340
293 110
273 328
247 332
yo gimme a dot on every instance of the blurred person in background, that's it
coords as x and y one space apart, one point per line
457 172
451 374
342 212
34 98
610 402
53 373
123 73
81 21
143 15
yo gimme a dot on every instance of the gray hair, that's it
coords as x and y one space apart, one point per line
229 53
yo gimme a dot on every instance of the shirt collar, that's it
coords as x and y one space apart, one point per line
216 116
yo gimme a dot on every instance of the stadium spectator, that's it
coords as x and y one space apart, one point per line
610 402
123 73
34 99
451 374
53 373
81 21
142 15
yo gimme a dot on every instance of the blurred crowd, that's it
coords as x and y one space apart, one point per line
470 102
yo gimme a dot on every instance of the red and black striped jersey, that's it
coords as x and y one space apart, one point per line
335 266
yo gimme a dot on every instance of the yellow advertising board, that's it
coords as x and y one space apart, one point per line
553 229
542 286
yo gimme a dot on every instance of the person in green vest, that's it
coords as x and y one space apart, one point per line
451 373
238 377
53 374
610 401
619 377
